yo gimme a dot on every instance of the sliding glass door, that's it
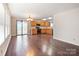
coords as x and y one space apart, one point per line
25 23
22 27
19 27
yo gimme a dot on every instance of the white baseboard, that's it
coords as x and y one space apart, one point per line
4 46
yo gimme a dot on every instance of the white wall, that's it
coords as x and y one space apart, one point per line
66 26
13 26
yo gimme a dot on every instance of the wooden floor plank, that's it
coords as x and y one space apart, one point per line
40 45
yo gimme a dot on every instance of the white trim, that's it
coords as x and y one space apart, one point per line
4 46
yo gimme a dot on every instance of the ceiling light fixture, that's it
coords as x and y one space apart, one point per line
29 19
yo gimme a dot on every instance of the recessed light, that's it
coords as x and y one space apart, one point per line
49 17
51 24
44 19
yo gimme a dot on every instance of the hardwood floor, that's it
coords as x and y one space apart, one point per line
40 45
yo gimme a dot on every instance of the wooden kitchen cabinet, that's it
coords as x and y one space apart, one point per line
43 31
47 24
33 31
49 31
43 25
33 23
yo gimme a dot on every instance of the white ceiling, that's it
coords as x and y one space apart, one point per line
40 10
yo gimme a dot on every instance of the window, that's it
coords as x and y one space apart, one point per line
7 23
1 24
4 24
